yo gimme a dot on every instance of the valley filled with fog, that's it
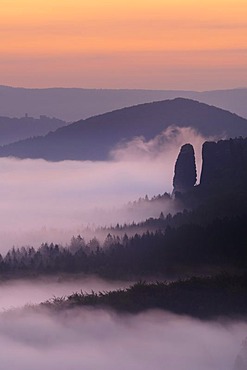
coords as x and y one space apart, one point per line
50 202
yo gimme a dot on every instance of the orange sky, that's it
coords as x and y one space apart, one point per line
122 43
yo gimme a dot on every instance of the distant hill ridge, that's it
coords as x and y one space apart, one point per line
95 137
72 104
15 129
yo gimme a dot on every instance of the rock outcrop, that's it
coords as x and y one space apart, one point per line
185 170
224 167
224 164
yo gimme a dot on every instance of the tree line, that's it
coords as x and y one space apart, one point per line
187 249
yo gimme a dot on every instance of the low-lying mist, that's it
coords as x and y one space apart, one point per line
43 201
18 293
99 339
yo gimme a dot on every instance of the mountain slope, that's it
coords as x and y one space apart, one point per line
92 139
232 100
71 104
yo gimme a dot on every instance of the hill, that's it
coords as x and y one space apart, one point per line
72 104
201 297
95 137
15 129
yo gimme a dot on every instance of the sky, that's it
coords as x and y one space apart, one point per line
158 44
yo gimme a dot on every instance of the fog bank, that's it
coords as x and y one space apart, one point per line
97 339
43 201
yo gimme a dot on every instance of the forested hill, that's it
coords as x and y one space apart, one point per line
94 138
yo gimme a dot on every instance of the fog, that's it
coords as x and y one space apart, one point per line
43 201
18 293
163 148
85 338
98 339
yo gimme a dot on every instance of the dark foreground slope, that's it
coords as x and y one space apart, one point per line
207 297
94 138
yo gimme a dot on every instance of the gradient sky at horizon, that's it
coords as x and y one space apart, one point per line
156 44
